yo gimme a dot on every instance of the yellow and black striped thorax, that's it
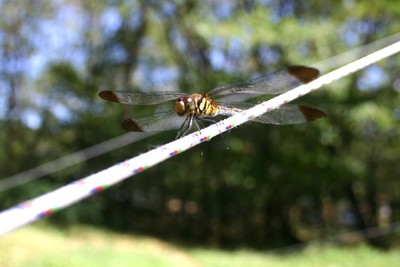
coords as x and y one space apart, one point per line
199 105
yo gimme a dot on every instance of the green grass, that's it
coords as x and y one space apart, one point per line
46 246
312 257
83 246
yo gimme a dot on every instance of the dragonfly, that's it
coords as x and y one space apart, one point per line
193 109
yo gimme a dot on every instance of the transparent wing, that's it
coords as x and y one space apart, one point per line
286 114
271 83
163 121
139 98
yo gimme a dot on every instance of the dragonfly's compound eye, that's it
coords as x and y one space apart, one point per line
190 105
180 106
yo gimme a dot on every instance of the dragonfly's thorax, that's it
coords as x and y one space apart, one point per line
197 105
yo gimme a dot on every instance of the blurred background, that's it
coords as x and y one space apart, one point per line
257 186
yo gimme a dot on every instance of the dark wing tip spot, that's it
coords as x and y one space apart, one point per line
109 96
311 113
131 125
303 73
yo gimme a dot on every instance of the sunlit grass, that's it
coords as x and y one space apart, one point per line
311 257
84 246
46 246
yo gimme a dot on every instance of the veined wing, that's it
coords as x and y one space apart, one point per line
157 122
139 98
270 83
286 114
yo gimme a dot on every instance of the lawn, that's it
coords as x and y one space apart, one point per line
45 246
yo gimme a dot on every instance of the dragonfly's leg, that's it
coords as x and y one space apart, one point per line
196 122
211 121
214 121
189 125
186 125
181 129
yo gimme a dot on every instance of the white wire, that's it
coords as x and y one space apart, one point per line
44 205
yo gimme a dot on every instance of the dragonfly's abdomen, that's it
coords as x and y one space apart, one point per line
226 111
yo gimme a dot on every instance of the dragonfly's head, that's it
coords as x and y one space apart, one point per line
184 105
